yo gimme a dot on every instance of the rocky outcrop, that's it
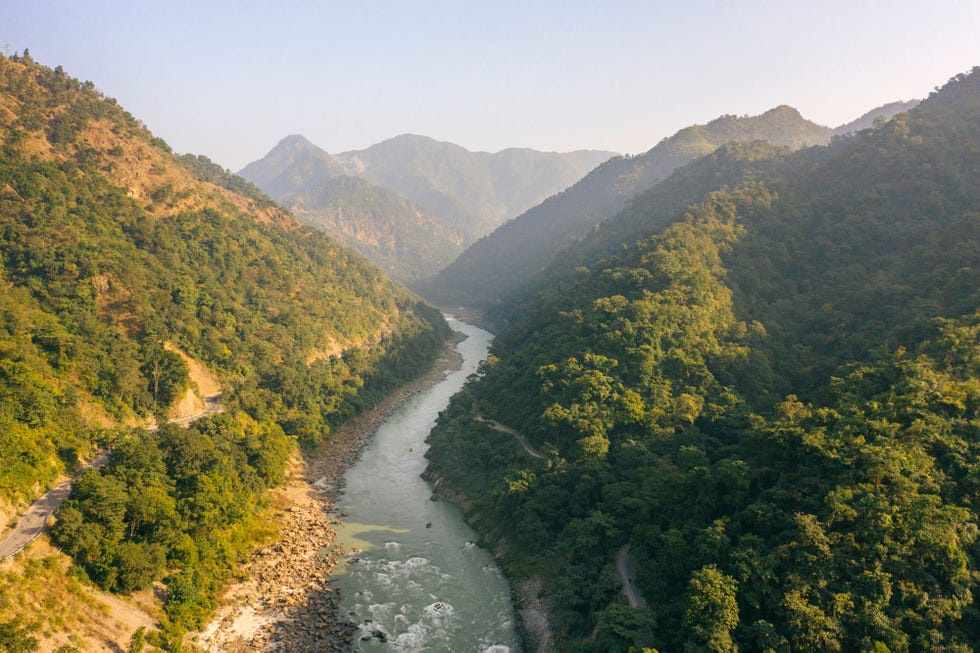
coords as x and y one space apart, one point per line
287 602
533 616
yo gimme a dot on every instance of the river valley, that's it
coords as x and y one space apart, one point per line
416 579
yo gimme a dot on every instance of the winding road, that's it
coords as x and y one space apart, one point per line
497 426
625 564
33 522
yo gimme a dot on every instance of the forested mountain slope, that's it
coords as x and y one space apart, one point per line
115 255
501 262
772 396
731 165
391 231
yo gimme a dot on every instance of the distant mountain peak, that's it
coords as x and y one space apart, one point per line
297 146
783 109
439 196
295 141
292 151
784 112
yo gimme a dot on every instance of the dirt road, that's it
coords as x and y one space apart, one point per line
625 567
497 426
33 522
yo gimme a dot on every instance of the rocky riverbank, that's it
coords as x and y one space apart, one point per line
287 603
533 610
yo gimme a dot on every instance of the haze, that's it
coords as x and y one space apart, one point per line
230 79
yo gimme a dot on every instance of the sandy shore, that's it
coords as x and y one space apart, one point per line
286 603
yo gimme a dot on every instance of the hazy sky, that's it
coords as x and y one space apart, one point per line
230 78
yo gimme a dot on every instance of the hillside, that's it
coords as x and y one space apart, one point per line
731 165
501 262
771 395
124 268
391 231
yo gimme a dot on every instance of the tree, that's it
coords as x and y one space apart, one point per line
711 611
15 637
168 375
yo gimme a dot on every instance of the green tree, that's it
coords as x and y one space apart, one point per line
16 637
711 611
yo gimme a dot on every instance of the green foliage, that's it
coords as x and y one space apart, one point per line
712 611
98 286
207 170
15 637
771 395
94 288
137 642
173 503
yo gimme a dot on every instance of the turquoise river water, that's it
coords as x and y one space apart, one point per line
419 583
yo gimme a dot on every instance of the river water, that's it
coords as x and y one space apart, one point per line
418 582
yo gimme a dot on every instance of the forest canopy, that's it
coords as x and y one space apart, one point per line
771 395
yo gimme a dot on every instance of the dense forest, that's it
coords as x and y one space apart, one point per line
762 376
119 261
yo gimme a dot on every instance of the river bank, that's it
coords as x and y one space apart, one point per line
535 620
286 601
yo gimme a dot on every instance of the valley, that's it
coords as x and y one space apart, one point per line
727 397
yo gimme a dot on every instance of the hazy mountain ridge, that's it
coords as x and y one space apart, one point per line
472 192
511 255
731 165
884 112
360 197
388 229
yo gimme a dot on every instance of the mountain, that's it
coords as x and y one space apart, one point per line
502 261
882 113
765 404
388 229
471 192
131 280
294 164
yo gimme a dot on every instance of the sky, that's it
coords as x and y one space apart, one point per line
230 78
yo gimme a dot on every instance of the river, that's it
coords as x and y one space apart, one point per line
419 583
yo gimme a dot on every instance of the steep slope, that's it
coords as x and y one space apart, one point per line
389 230
470 192
511 255
731 165
771 396
119 262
